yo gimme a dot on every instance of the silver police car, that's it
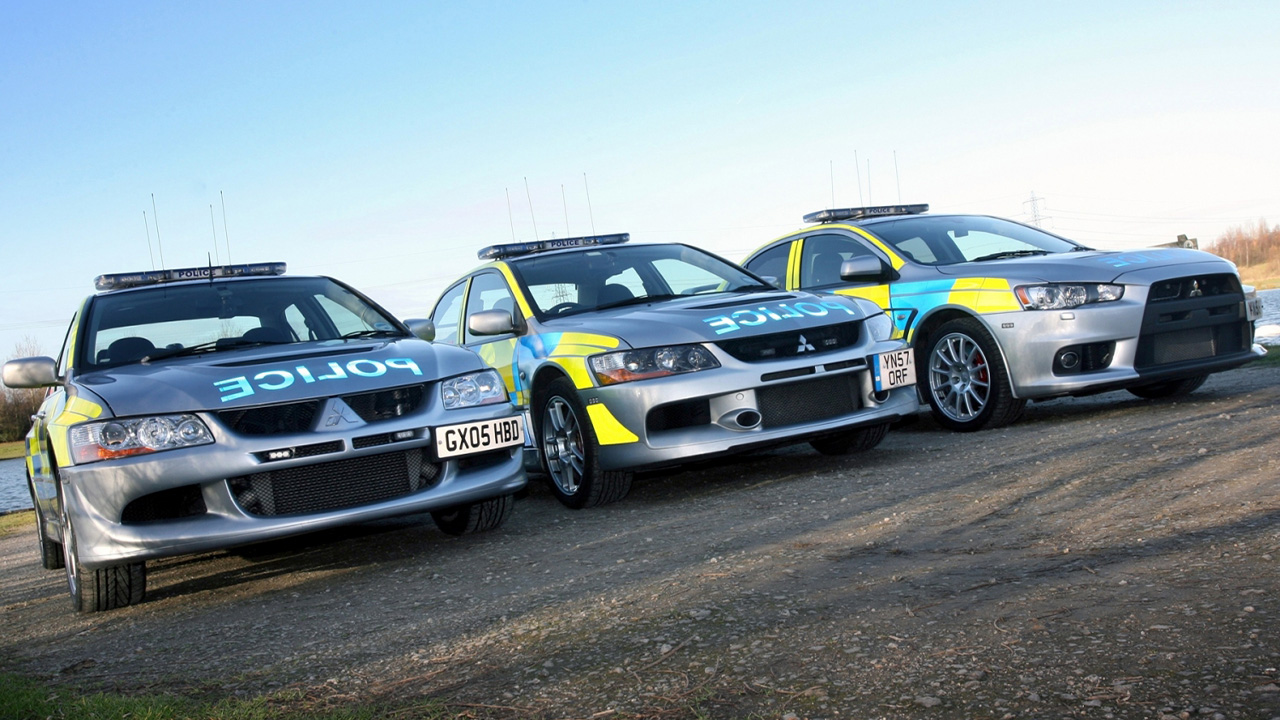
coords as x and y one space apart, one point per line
626 356
203 408
1001 312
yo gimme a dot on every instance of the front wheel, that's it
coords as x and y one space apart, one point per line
570 451
475 517
853 441
105 588
1169 388
966 380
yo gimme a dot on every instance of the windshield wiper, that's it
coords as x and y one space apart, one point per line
754 287
210 346
638 300
371 334
1010 254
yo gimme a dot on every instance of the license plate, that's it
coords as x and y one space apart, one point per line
1253 307
894 369
469 438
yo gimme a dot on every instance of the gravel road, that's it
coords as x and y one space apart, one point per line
1106 557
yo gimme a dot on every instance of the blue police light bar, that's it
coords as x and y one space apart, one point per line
119 281
498 252
864 212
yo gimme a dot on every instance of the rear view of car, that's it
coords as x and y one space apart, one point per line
193 410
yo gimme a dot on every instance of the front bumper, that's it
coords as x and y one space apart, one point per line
740 406
203 498
1031 340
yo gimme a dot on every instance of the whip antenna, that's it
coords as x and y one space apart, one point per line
149 253
857 169
214 225
156 215
531 217
589 212
510 217
224 227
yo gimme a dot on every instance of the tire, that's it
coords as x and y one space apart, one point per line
570 451
965 379
1169 388
475 517
852 441
106 588
50 550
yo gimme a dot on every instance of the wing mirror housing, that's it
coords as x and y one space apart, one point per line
32 372
422 328
866 269
491 322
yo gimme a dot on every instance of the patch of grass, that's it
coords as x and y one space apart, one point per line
15 449
16 522
1271 359
25 698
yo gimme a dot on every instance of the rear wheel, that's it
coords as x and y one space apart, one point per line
1169 388
475 517
570 451
105 588
966 380
853 441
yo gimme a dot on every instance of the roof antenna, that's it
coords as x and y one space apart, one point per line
591 214
214 225
857 169
224 227
531 217
896 176
510 217
156 215
149 253
566 211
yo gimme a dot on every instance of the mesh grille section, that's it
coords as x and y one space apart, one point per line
271 419
334 485
809 341
809 401
385 404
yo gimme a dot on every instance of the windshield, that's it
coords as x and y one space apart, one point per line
615 276
163 321
951 239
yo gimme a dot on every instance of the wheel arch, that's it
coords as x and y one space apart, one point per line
928 325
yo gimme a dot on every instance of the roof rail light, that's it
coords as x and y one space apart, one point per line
120 281
864 212
499 252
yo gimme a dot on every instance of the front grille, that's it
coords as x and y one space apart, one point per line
171 504
1192 318
386 404
271 419
334 485
808 401
808 341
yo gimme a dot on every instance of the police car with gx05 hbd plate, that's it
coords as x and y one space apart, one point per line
202 408
627 356
1001 312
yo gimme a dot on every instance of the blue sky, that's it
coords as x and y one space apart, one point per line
379 142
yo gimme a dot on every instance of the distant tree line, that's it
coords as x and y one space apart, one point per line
17 406
1246 246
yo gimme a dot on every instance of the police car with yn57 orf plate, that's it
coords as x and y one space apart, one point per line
202 408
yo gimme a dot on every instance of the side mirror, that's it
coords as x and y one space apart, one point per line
422 328
491 322
32 372
866 269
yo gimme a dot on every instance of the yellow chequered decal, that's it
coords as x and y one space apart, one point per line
576 367
984 295
608 430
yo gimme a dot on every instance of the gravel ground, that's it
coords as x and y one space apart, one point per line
1106 557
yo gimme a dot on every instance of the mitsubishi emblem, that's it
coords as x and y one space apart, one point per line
1195 289
805 346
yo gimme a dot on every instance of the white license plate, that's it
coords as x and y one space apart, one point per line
469 438
894 369
1253 307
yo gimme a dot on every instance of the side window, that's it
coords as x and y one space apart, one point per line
64 357
772 263
489 291
445 316
821 258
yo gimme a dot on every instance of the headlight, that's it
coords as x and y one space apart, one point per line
627 365
879 326
1060 296
120 438
481 388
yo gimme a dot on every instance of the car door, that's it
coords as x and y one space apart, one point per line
490 290
816 262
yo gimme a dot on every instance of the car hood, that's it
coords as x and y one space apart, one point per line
1095 265
269 375
712 317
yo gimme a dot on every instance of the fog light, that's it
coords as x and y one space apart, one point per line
1069 360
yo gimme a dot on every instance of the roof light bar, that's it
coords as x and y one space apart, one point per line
498 252
120 281
864 212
